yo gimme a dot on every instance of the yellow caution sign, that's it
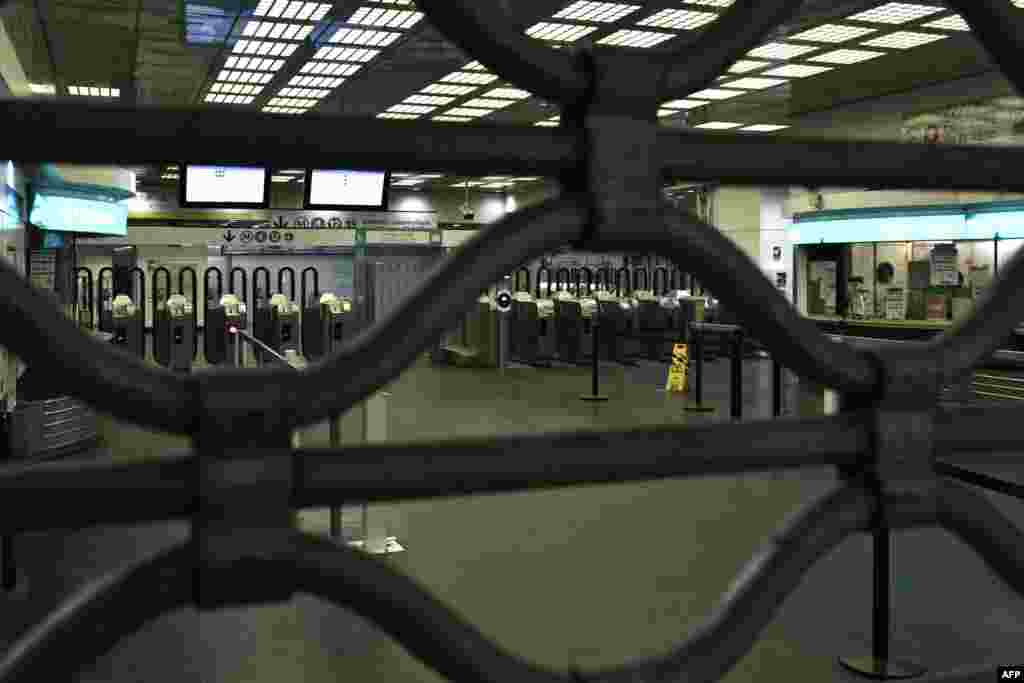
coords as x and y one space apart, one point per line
677 372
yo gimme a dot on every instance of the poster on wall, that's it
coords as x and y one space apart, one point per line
944 266
825 273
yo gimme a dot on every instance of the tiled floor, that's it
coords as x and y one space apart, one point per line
587 577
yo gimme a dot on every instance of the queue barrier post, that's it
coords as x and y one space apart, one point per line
776 388
595 332
697 362
736 376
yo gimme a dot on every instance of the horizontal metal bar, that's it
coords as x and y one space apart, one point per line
738 160
93 133
256 342
985 481
979 434
509 463
162 488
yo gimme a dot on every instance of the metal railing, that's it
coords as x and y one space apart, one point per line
242 476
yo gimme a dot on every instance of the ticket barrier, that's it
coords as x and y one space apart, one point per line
128 325
283 332
614 314
174 333
219 342
569 327
335 320
482 331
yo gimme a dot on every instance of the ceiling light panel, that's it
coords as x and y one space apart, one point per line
602 12
473 78
952 23
895 13
330 68
662 113
743 66
385 18
292 9
678 19
780 51
346 54
445 89
356 36
719 125
484 103
683 104
756 83
716 94
315 82
392 115
451 119
904 40
468 183
712 3
93 91
564 33
428 99
508 93
410 109
547 124
627 38
474 66
832 33
43 88
264 48
272 30
763 128
310 93
253 63
464 111
846 56
797 70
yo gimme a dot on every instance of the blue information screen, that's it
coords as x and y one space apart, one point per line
77 214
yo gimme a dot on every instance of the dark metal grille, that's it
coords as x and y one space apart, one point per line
241 480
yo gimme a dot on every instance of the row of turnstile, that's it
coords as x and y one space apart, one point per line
561 327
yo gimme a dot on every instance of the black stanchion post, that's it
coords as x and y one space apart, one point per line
595 328
8 570
736 390
335 510
776 388
697 360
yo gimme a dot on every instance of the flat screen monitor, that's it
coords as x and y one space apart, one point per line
225 187
344 189
67 213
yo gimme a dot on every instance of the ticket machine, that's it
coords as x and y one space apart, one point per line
174 332
128 324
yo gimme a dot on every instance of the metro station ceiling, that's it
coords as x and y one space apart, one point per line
382 58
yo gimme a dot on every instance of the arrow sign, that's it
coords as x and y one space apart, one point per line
229 236
504 301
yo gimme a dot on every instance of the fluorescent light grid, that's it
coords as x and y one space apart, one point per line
678 19
385 18
781 51
951 23
846 56
756 83
564 33
600 12
904 40
630 38
832 33
895 13
355 36
797 70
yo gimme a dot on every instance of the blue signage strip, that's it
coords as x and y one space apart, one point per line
77 214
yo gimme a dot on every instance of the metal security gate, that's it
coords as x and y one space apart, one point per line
899 455
397 273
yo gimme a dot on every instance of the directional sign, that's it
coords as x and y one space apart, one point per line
275 236
261 236
504 301
246 236
229 236
289 236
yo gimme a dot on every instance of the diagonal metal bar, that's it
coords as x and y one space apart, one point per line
160 489
480 27
978 523
1000 28
740 29
699 248
985 481
115 382
979 435
99 614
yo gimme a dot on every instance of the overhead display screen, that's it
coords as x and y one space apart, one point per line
225 187
342 189
76 214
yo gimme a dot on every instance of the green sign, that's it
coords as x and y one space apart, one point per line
360 240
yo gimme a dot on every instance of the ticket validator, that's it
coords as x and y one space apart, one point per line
335 321
283 333
220 341
128 325
174 333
